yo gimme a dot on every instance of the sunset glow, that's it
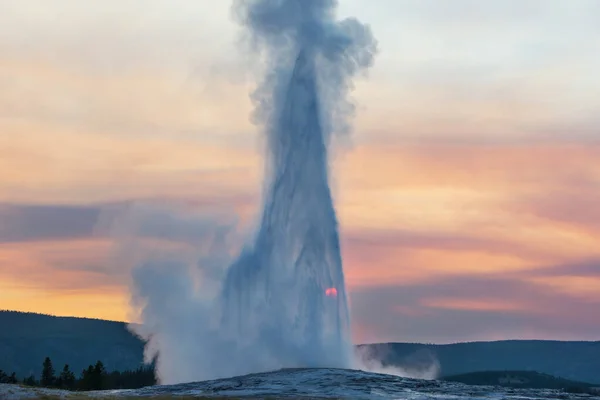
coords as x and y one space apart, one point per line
469 189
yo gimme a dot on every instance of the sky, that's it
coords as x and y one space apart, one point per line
467 192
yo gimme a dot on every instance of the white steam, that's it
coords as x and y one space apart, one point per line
208 310
420 365
177 259
278 30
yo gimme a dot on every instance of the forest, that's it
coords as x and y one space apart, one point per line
94 377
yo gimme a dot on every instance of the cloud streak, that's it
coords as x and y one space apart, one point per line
492 307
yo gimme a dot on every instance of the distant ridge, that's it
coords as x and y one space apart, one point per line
27 338
4 311
481 341
573 360
520 379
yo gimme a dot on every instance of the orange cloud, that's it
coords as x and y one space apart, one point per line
68 264
472 304
75 167
103 303
404 265
495 197
408 216
145 100
585 287
65 278
493 167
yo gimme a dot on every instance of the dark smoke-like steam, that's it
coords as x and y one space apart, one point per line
283 301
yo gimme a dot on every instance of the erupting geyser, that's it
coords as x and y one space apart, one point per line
282 280
283 302
285 280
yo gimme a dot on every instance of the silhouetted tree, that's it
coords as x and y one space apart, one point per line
141 377
94 377
47 373
30 381
4 378
66 380
87 379
13 378
99 375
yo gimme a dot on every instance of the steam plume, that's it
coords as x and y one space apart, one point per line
283 301
276 293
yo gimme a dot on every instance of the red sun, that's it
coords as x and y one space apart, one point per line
331 292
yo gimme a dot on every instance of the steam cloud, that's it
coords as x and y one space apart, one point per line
422 364
282 301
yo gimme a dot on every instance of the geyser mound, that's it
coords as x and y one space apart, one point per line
283 301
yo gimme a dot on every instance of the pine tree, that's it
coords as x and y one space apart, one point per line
12 378
47 373
86 382
99 376
66 378
30 381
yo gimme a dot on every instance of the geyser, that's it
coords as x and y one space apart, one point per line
280 289
277 290
283 301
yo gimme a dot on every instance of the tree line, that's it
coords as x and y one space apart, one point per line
94 377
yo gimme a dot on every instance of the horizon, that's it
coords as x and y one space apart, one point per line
354 344
467 193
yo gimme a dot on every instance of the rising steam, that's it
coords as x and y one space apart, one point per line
282 302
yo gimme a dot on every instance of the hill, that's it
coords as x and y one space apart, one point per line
578 361
26 339
523 380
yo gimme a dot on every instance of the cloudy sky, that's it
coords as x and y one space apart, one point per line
468 197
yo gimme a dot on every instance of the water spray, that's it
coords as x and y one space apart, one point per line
288 286
283 301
